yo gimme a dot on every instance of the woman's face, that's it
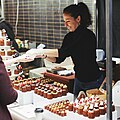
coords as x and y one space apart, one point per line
70 22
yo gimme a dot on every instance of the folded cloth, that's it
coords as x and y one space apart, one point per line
35 52
22 58
25 58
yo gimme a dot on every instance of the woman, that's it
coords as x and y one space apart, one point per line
7 94
80 44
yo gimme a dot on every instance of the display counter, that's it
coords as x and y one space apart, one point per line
26 112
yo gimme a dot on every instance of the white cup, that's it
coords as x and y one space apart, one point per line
38 113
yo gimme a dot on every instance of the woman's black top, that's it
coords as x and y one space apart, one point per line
81 46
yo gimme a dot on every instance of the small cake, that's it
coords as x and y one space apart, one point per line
63 113
33 86
70 105
55 94
1 42
38 91
58 84
24 89
59 94
85 111
4 32
20 70
45 94
80 109
41 92
28 87
12 50
8 43
49 95
16 71
55 83
9 52
65 90
35 90
16 86
74 107
61 85
91 113
96 110
2 52
102 108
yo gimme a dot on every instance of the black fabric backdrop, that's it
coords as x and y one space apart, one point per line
116 26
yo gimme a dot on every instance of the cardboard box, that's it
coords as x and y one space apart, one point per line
96 92
101 92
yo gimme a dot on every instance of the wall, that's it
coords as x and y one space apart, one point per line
41 20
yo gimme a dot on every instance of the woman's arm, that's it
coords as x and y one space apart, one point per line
49 54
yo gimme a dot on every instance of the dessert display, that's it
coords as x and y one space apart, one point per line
88 107
51 91
8 52
58 108
37 84
14 70
5 45
91 107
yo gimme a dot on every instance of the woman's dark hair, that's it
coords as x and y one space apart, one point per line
79 10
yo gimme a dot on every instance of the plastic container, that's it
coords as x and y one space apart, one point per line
38 113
